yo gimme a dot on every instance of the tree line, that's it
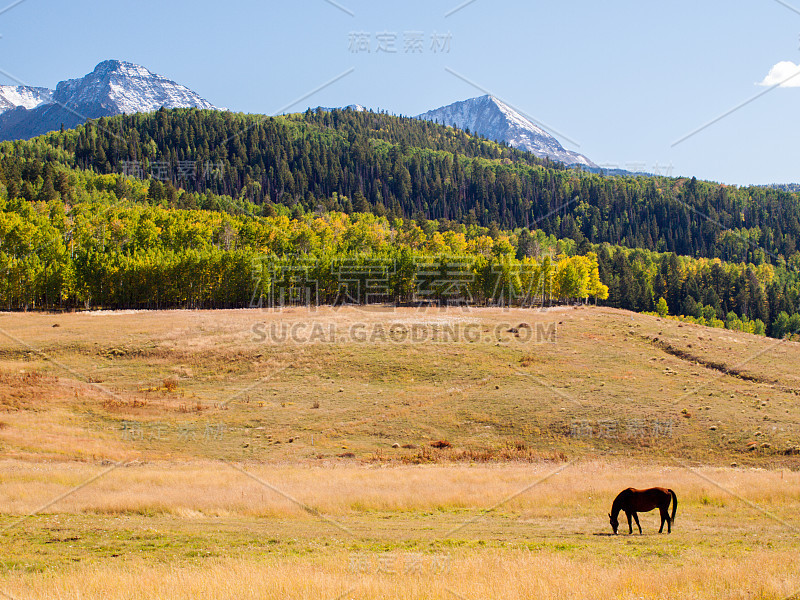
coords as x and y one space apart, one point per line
399 167
103 251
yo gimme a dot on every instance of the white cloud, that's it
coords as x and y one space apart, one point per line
785 73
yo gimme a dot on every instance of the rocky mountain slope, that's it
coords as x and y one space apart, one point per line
488 116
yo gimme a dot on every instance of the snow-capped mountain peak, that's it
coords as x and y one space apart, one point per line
127 88
492 118
114 87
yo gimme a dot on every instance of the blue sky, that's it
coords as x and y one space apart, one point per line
623 80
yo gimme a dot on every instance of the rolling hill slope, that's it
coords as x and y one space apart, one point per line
253 384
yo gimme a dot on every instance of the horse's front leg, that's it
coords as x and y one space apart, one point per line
636 516
630 524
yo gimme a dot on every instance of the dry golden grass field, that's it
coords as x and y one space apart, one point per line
392 453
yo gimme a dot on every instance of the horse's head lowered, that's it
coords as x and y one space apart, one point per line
614 522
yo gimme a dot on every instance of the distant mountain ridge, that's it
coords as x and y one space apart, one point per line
492 118
114 87
355 107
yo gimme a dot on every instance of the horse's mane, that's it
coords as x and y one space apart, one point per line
615 506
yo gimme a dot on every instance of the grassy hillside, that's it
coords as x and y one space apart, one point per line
349 383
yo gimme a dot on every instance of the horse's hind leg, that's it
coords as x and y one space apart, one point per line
664 518
636 517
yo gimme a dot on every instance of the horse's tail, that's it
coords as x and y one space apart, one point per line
674 504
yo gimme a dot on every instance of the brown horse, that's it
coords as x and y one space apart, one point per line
633 501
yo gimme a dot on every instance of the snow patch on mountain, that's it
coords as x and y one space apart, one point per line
22 95
355 107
